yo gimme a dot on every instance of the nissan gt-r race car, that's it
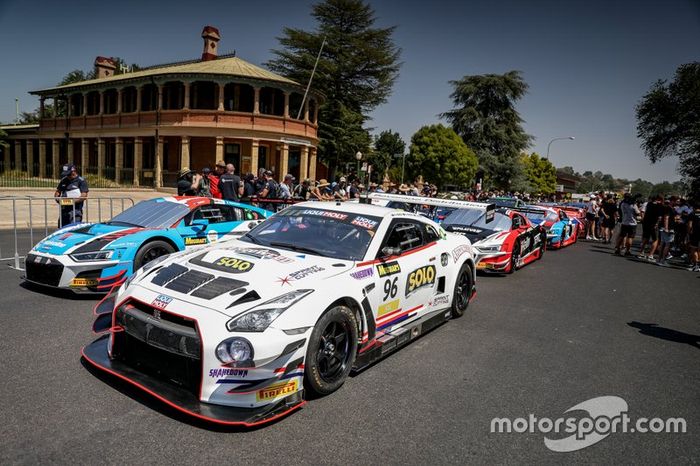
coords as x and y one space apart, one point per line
503 242
93 257
236 332
561 230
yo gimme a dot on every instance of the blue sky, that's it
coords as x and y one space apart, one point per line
587 62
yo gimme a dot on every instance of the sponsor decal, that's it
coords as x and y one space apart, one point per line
234 265
276 391
442 299
227 372
189 241
362 274
56 244
284 281
389 307
424 276
161 301
388 268
212 236
263 253
526 243
459 251
65 236
444 259
325 213
83 282
303 273
364 222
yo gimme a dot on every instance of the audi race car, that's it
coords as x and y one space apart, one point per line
93 257
504 240
561 230
236 332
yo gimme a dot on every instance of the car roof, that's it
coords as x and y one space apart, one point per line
356 208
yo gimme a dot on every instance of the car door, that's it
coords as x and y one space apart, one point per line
196 227
403 278
524 232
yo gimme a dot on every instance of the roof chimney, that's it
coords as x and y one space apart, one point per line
104 67
211 40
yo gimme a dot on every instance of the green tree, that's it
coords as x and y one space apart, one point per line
541 174
486 119
387 146
441 157
76 76
356 71
668 122
642 187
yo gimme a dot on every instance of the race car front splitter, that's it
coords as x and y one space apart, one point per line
96 354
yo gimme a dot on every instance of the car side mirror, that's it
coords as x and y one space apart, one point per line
388 251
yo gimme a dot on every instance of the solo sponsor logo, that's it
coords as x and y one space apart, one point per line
424 276
459 251
234 265
161 301
389 268
362 274
276 391
195 241
604 415
227 372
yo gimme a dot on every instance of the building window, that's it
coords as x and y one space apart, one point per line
232 154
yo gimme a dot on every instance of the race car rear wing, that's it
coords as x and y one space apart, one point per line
530 210
488 208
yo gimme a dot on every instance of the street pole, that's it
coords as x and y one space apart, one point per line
557 139
403 164
16 111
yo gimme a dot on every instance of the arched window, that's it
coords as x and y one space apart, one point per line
173 95
110 101
271 101
238 97
149 97
204 95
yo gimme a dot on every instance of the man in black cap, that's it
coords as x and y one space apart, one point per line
72 186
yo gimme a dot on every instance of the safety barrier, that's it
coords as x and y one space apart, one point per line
26 219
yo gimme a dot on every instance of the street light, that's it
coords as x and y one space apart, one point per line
557 139
403 163
358 157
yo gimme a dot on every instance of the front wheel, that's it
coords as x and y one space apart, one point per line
463 291
514 257
331 351
151 251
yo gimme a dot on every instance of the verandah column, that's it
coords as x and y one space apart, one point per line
254 148
138 159
84 155
158 181
219 148
55 150
30 157
100 156
18 154
118 159
42 158
184 152
312 163
304 164
284 161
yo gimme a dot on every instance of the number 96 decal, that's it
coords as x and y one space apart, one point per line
234 265
424 276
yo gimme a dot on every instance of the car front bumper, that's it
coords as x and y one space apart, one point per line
60 271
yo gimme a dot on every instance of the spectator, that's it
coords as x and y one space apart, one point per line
591 215
316 193
341 191
71 186
666 231
303 190
249 186
270 190
609 210
354 190
230 185
628 229
694 238
205 183
287 187
650 221
188 182
214 177
260 180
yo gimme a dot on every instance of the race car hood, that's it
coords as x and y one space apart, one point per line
233 278
80 235
473 233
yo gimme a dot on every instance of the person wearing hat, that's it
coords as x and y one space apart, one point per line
318 191
72 186
303 190
188 182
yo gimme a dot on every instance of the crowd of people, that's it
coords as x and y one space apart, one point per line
670 227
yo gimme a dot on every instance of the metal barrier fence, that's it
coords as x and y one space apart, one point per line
26 219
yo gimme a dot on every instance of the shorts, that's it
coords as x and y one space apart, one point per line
628 231
649 233
694 241
590 216
666 236
609 223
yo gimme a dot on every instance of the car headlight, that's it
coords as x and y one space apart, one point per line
92 256
261 316
235 351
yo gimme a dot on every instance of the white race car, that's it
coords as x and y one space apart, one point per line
234 333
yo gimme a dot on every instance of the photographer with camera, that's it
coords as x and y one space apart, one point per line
188 182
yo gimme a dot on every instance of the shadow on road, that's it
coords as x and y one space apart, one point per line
653 330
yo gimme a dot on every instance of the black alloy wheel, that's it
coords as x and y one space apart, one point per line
151 251
515 257
463 291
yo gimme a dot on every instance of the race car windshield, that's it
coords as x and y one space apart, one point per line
328 233
153 213
536 217
477 218
504 201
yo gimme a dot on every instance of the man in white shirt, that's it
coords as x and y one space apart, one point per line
591 215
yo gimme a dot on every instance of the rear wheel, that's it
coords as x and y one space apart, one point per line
463 291
514 257
543 246
151 251
331 351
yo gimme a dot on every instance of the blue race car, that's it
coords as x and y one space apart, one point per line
562 230
94 257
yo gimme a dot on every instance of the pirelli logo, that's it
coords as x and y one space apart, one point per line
276 391
389 268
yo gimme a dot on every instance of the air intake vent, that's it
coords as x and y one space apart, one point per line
189 281
246 298
168 273
217 287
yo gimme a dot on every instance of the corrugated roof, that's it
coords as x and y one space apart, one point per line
232 66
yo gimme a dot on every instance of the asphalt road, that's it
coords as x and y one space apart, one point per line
540 341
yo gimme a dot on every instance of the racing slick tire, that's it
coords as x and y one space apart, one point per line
463 291
543 247
514 257
331 351
150 251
